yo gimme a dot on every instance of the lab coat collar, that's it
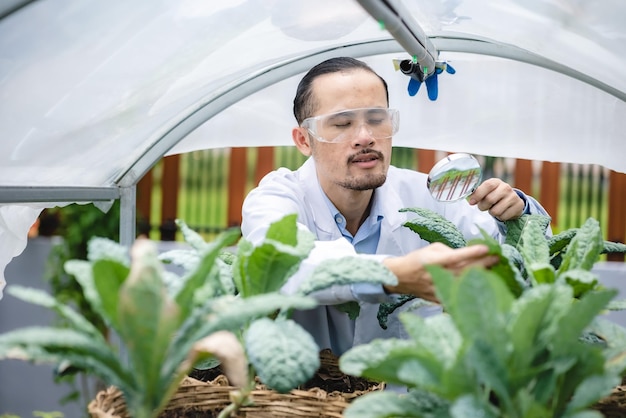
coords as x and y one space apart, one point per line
314 196
393 220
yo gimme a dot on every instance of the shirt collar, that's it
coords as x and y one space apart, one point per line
372 221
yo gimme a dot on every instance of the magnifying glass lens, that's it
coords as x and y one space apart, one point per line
454 177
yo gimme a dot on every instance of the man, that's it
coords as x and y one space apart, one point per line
349 197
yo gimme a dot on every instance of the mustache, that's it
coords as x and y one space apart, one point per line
367 151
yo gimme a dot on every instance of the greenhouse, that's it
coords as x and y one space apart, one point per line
101 100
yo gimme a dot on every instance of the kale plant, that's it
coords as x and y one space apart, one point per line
492 354
162 328
527 256
226 307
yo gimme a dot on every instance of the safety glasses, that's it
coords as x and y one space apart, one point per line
379 123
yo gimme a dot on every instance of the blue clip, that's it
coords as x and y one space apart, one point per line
417 77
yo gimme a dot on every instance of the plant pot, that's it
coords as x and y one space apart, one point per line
196 398
614 405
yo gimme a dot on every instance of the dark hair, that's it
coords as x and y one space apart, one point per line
303 105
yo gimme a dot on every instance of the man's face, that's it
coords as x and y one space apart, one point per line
359 162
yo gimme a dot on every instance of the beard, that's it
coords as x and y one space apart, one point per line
367 182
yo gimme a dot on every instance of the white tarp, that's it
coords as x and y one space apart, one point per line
94 93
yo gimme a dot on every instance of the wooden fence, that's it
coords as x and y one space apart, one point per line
206 188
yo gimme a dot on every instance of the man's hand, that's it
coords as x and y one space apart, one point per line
499 199
414 279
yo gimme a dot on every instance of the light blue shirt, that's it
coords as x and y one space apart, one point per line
364 242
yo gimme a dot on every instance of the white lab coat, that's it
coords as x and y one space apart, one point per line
285 192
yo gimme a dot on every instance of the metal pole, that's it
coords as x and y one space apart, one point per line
128 213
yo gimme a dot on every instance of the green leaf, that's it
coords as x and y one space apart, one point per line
388 405
617 305
393 361
99 248
229 313
429 403
533 244
591 390
432 227
185 258
582 281
560 241
359 358
445 285
469 406
581 314
489 364
561 298
352 308
541 272
51 345
268 268
41 298
191 237
585 414
283 354
387 308
515 227
206 272
515 258
570 371
346 270
108 277
505 267
614 335
207 363
225 276
584 249
492 244
284 231
187 334
232 313
527 319
484 319
613 247
148 318
244 251
435 334
82 271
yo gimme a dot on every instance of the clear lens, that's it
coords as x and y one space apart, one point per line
379 123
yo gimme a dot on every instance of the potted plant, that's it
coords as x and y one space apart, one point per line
167 325
526 339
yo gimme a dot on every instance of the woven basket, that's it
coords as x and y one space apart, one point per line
195 398
613 405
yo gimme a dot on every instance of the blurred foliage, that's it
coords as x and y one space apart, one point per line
42 414
39 414
75 224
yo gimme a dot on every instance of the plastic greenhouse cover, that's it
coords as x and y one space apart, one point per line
559 119
94 93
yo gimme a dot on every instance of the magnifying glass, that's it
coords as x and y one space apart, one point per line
454 177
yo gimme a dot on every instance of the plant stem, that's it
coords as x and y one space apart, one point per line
238 399
142 409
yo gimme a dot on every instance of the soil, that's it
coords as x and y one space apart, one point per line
328 377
